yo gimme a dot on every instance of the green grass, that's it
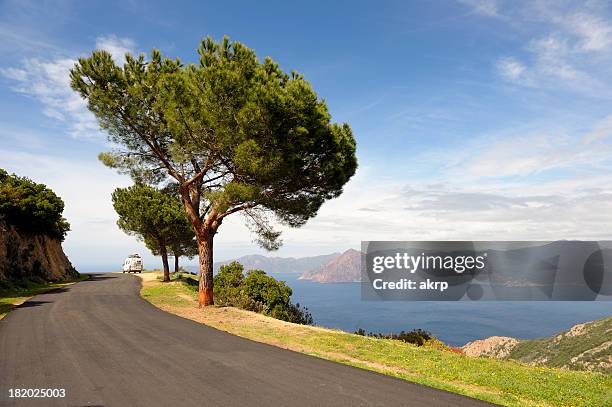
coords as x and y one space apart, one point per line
14 295
504 382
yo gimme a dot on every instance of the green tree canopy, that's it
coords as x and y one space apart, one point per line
152 215
31 207
237 134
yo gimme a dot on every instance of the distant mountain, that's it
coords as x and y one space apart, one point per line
585 346
280 264
345 268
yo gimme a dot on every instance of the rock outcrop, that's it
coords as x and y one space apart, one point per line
31 257
586 346
494 346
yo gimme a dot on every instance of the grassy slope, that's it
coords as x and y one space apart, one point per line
504 382
15 296
586 347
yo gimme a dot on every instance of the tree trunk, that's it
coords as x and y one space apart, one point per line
204 233
205 286
164 255
176 263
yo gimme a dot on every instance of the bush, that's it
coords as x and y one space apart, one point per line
31 207
227 284
257 292
417 336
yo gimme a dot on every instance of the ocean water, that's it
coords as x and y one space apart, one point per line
454 322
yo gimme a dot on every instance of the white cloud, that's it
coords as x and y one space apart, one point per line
116 46
48 81
593 32
14 74
510 68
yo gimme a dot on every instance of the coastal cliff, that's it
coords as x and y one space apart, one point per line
345 268
32 257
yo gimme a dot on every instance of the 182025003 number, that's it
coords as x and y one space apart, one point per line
36 393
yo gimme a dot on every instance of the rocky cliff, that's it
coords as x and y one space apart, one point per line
31 257
345 268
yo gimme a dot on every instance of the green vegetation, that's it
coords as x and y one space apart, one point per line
257 292
585 347
417 337
504 382
14 295
236 133
31 207
158 218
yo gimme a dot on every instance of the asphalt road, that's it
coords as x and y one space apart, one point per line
106 346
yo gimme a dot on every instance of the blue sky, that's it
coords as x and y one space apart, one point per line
474 119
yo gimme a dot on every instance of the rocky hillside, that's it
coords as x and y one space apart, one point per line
585 346
31 257
32 229
345 268
280 264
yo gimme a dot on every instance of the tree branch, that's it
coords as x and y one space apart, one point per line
200 175
151 145
237 208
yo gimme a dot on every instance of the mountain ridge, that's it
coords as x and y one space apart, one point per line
280 264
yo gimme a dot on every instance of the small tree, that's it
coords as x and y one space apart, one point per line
152 215
180 242
237 134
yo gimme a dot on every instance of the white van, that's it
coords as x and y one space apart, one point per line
133 264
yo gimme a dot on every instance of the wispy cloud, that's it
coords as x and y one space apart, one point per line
534 153
592 32
570 46
489 8
511 69
48 82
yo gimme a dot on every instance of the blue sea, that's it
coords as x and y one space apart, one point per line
340 306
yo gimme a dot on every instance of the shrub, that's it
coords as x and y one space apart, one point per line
31 207
257 292
266 290
417 336
228 283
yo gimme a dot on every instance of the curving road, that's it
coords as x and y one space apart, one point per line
106 346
